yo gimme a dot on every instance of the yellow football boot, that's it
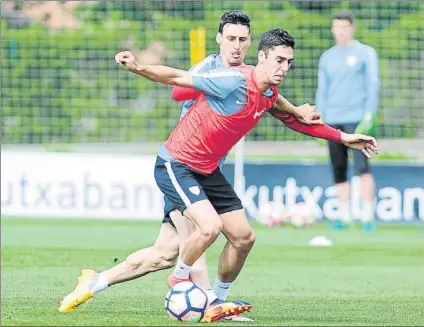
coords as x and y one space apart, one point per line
81 293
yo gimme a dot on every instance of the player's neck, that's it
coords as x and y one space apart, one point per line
345 44
261 79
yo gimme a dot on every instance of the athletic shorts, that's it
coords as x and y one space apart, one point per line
339 156
183 186
168 207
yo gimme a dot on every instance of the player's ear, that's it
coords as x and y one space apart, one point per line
261 57
218 38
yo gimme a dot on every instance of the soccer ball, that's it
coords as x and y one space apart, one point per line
272 213
186 302
301 215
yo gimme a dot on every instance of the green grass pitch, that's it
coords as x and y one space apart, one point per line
364 279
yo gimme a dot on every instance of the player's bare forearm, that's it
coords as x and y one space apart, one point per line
305 114
157 73
284 105
164 74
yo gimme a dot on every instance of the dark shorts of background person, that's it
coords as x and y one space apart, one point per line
339 156
182 186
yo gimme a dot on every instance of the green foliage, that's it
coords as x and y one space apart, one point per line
64 86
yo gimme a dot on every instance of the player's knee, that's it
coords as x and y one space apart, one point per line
340 174
211 230
246 241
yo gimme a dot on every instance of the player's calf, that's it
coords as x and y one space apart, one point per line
141 263
157 259
161 255
241 238
198 241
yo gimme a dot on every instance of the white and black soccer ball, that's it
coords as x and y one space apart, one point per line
186 302
302 215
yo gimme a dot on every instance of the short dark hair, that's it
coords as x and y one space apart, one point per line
274 38
345 15
234 17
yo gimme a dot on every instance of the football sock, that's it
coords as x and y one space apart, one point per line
211 296
221 289
182 271
101 283
367 211
344 212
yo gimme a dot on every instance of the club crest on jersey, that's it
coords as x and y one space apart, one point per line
259 113
195 190
351 61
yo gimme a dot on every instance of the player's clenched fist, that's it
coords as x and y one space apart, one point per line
308 114
127 59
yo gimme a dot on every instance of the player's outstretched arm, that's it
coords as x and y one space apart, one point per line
157 73
306 114
366 144
320 130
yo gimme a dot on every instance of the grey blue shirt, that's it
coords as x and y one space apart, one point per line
348 83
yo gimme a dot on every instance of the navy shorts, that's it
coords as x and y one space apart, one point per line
168 207
339 156
183 186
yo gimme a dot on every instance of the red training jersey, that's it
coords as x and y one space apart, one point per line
204 136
